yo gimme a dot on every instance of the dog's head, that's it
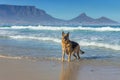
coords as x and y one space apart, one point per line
65 37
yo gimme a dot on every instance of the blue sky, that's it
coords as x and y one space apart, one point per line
68 9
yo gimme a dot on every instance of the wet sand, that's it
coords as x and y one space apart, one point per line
13 69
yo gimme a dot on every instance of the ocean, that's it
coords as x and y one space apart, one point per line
44 42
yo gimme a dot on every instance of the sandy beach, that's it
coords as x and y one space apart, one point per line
13 69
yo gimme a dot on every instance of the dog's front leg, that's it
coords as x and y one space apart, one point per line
63 55
69 57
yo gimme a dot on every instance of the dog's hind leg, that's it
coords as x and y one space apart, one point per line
75 56
78 52
78 55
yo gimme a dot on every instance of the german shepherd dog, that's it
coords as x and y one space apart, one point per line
70 47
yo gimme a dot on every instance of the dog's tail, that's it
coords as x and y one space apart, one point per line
82 52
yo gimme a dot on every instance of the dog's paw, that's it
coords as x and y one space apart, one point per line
69 60
62 60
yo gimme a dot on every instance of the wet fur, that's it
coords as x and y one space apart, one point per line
70 47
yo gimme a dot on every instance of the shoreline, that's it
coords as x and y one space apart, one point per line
85 69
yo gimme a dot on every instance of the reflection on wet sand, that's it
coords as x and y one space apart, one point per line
69 71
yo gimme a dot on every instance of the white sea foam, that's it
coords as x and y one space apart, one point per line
58 28
66 28
6 33
37 38
82 43
108 28
102 45
10 57
44 28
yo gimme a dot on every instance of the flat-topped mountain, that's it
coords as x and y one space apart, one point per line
30 15
14 14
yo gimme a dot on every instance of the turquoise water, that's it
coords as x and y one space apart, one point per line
98 42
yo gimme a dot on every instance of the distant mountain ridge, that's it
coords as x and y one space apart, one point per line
84 19
30 15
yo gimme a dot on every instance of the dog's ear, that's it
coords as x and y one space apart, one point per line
68 34
63 33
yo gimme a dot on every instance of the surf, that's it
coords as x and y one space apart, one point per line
82 42
65 28
36 38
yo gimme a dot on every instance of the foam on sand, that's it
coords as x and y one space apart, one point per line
10 57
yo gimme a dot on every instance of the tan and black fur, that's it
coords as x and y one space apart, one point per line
70 47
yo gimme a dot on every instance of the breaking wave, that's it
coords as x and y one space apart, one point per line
58 28
37 38
102 45
82 43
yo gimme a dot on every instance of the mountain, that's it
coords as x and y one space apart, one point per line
105 20
84 19
30 15
14 14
